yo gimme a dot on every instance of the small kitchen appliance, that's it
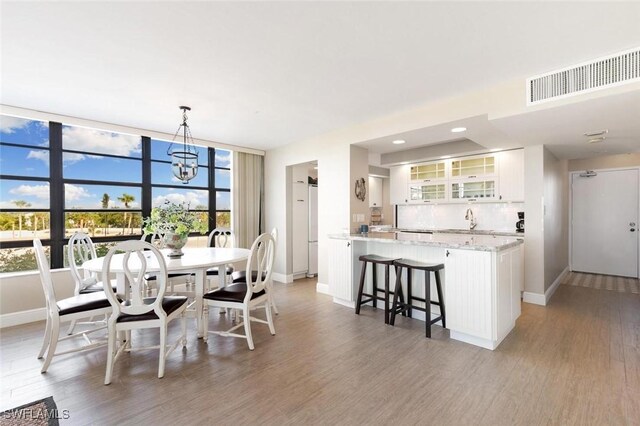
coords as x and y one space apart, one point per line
520 222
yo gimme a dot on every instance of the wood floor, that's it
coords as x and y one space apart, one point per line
576 361
602 282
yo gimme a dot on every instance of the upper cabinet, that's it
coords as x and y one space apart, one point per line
489 178
511 175
427 172
375 191
398 184
473 167
299 173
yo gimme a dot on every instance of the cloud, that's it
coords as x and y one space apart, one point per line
69 158
192 198
74 192
39 155
223 158
83 139
38 191
11 124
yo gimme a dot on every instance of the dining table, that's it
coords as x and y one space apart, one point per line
195 260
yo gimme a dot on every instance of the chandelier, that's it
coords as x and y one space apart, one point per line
184 162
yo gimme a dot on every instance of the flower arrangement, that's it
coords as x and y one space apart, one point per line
173 218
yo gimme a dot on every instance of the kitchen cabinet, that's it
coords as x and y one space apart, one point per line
375 191
473 167
427 193
398 185
473 190
427 172
341 271
511 174
300 228
300 174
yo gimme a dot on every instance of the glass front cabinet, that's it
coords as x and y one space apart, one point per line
427 172
474 190
472 168
426 193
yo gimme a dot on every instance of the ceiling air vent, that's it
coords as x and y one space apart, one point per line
602 73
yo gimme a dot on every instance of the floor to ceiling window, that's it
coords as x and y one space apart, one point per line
57 179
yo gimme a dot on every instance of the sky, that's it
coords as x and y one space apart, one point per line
34 161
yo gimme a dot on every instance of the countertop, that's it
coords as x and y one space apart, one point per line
445 240
459 231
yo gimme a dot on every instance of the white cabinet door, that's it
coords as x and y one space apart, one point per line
375 191
511 172
399 184
300 173
468 292
340 275
300 228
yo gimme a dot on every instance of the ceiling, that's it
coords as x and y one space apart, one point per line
265 74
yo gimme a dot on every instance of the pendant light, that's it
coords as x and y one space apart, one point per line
184 160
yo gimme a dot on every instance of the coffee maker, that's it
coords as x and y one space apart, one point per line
520 222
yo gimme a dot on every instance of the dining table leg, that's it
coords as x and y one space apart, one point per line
201 277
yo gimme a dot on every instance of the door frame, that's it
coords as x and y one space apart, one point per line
577 172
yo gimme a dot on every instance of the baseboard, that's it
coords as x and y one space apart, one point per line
344 303
543 299
323 288
534 298
23 317
554 286
282 278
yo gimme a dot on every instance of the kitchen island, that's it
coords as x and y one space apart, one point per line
482 277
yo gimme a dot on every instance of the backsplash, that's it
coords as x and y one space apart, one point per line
489 216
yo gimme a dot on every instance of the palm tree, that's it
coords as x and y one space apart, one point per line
127 199
105 205
21 204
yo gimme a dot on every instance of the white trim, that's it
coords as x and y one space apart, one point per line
282 278
554 286
82 122
477 341
543 299
23 317
323 288
535 298
344 303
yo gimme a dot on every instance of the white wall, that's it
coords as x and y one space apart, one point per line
359 169
605 162
534 220
489 216
556 218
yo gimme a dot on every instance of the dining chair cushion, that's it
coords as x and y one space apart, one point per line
241 276
214 271
169 304
232 293
94 288
82 303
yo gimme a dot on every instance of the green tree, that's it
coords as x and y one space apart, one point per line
127 199
105 205
21 204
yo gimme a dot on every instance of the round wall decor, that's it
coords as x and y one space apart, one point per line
361 189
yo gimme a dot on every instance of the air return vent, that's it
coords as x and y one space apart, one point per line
601 73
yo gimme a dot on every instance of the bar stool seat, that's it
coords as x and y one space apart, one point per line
399 306
373 297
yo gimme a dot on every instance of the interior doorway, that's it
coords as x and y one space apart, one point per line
304 220
604 222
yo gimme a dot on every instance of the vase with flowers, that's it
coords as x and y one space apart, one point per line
174 222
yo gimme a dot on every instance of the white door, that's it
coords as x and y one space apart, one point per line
604 223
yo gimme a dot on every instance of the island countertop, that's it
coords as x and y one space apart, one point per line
444 240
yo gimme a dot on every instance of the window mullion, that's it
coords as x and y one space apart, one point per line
56 195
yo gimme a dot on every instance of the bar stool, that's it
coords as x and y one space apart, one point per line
401 306
373 297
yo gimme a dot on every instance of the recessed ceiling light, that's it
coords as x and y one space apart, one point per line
596 140
398 142
600 133
458 129
444 157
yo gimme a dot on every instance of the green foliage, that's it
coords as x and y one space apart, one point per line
18 259
175 218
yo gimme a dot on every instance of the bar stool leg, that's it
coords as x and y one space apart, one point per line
394 308
427 304
374 290
386 294
401 293
409 296
363 274
440 299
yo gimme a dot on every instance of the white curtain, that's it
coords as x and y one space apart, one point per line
248 198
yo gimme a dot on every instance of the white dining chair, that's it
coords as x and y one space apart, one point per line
220 237
137 311
240 276
173 280
78 307
254 293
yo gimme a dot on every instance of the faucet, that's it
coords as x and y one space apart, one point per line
472 221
